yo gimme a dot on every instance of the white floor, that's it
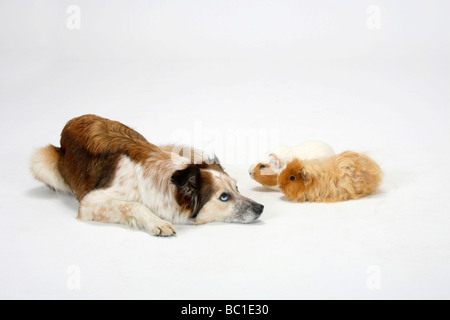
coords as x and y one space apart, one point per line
394 244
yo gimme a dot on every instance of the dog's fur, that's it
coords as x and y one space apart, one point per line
118 176
346 176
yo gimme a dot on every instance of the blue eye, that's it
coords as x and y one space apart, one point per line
224 197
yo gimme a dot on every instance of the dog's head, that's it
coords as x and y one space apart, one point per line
209 194
293 180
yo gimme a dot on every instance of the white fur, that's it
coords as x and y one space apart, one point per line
44 166
149 203
102 205
142 198
306 151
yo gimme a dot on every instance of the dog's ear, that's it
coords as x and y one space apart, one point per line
212 159
187 179
213 162
304 176
188 183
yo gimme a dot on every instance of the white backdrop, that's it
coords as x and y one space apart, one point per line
237 78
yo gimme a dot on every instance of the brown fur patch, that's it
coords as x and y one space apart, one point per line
90 150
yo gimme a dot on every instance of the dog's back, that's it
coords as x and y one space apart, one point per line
91 147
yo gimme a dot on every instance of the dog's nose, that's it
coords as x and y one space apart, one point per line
258 208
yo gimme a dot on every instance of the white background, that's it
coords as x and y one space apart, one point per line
237 77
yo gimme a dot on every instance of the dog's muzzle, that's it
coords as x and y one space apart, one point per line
248 211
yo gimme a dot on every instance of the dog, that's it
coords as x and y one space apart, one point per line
346 176
119 177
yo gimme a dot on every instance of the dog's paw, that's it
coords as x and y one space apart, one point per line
162 228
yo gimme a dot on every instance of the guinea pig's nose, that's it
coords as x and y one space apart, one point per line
251 173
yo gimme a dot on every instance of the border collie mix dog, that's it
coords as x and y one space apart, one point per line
119 177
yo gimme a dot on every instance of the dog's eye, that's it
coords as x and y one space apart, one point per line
224 197
292 178
262 167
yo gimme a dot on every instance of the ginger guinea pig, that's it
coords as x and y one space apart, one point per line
346 176
267 169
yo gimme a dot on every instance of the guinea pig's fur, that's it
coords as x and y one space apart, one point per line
346 176
264 174
267 169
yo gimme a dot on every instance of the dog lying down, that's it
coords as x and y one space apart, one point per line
119 177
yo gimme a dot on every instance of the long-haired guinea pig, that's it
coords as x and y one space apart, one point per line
346 176
267 169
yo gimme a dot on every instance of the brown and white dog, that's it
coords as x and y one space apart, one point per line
119 177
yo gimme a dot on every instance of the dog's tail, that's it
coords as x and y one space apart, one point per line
44 164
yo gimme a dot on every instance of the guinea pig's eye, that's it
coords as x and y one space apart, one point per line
292 178
262 167
224 197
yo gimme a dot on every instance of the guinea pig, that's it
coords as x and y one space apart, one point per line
346 176
267 169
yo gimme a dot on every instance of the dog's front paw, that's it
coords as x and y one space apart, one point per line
161 228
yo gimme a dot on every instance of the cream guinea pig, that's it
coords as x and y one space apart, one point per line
266 170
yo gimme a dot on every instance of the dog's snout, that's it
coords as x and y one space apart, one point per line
258 208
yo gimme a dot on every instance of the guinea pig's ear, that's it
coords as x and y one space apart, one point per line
304 176
274 162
